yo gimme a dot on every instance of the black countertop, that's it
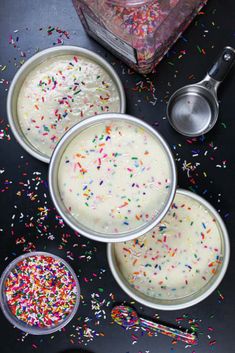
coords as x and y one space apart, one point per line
205 165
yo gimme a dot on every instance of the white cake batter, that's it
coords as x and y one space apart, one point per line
114 177
178 257
60 92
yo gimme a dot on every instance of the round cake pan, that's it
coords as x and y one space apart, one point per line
21 325
53 178
30 64
187 301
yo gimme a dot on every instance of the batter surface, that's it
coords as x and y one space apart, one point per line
178 257
60 92
114 177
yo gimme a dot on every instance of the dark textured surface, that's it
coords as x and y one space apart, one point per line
25 223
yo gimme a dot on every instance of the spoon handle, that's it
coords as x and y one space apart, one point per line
223 64
170 331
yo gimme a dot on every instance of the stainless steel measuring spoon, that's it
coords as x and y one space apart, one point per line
193 110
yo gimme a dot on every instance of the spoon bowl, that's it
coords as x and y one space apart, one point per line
125 316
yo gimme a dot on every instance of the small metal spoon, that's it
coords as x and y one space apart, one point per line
127 317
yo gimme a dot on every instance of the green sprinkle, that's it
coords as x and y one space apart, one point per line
77 92
50 30
199 49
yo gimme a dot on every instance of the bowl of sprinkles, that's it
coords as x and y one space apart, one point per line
179 262
39 293
55 89
112 177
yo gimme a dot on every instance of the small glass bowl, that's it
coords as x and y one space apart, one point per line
34 330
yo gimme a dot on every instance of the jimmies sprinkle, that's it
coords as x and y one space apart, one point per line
40 291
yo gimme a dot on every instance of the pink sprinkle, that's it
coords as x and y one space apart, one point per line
211 343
